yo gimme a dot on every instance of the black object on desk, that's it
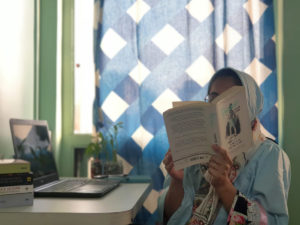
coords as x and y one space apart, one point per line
124 178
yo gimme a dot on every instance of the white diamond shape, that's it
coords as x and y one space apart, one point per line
255 8
127 167
164 101
167 39
139 73
114 106
151 201
138 10
274 38
163 169
200 10
201 71
142 137
276 104
112 43
228 39
258 71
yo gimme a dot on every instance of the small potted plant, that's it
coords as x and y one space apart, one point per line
103 163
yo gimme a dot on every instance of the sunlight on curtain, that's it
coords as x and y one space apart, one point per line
149 53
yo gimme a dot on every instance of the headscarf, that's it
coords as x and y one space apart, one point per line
254 95
206 212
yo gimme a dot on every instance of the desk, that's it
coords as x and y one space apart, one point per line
119 206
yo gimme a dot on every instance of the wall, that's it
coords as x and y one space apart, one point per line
290 86
17 85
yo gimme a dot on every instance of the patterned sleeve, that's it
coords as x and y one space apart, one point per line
245 211
263 189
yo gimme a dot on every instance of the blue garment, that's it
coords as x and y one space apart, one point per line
265 179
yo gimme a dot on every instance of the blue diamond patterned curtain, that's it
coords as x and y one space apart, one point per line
149 53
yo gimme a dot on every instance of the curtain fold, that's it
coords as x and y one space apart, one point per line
149 53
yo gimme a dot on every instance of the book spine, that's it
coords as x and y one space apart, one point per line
14 168
16 189
22 199
13 179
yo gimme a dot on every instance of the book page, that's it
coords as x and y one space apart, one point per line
189 130
234 123
183 103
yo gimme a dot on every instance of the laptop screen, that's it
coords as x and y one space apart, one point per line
32 143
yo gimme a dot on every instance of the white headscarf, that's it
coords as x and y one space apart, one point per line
254 95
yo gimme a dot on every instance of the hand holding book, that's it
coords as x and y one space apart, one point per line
169 165
192 127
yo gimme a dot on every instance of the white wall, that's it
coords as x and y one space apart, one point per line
16 66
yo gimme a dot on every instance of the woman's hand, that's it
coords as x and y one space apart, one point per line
219 167
169 165
175 192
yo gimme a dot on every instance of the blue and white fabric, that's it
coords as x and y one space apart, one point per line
149 53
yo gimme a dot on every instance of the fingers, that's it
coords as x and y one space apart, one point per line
215 174
223 153
169 166
219 166
218 176
168 157
168 161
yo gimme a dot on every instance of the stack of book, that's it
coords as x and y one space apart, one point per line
16 183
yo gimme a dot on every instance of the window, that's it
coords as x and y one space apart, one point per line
84 78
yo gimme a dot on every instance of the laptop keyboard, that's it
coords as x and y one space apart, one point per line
69 185
65 186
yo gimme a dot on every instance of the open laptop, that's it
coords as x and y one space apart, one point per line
31 142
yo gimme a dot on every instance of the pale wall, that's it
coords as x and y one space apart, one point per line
16 66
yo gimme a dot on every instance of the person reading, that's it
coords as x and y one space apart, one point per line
252 188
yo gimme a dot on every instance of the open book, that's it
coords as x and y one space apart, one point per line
193 126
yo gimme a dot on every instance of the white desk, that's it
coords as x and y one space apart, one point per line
120 206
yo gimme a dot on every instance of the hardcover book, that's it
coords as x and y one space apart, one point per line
15 179
192 127
14 166
5 190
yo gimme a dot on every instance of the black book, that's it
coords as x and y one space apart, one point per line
13 179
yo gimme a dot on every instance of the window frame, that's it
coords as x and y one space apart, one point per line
70 140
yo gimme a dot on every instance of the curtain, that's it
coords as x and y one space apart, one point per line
149 53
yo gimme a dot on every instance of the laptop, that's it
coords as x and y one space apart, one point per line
31 142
